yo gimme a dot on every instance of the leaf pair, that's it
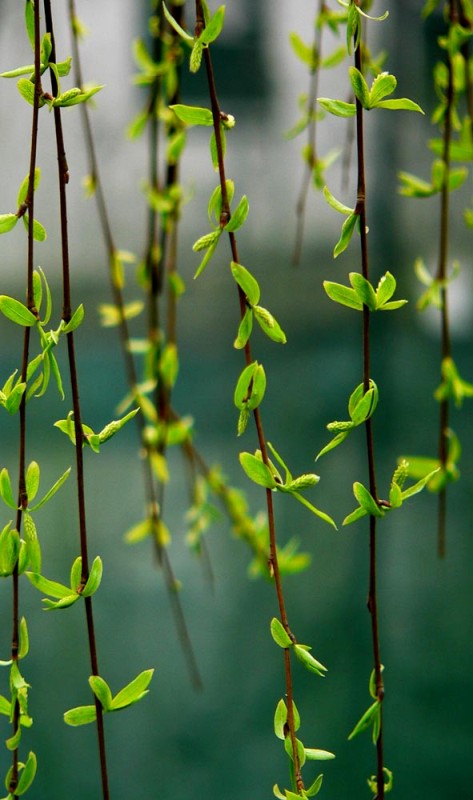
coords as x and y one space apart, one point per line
436 474
368 505
66 596
130 694
363 293
267 322
238 217
32 480
94 440
361 406
441 175
433 294
266 474
211 31
249 392
301 651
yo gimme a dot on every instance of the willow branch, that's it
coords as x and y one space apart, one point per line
372 591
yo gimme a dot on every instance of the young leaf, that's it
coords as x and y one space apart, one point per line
214 27
337 107
308 660
7 222
360 87
27 775
133 691
257 470
280 719
247 283
32 480
366 501
238 216
16 311
343 295
52 491
312 754
102 691
269 325
193 115
366 720
345 237
82 715
244 330
279 634
94 579
182 33
6 491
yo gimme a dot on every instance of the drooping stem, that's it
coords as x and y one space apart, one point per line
22 495
273 555
442 273
63 177
372 589
311 157
153 503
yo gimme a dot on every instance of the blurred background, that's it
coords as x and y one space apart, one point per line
219 742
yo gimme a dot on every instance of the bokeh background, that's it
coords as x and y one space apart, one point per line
219 743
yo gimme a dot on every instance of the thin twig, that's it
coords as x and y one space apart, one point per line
273 556
63 176
372 591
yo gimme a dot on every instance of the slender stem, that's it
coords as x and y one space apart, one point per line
63 176
372 590
154 503
311 161
442 274
22 495
273 555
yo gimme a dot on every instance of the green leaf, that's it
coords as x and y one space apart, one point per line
102 691
343 295
26 89
52 491
16 311
251 386
383 85
366 720
193 115
337 107
312 754
29 22
315 787
336 204
402 104
360 87
32 480
27 775
175 25
238 216
23 190
9 550
246 282
7 222
279 634
244 330
208 255
82 715
309 662
366 501
32 542
94 579
214 27
363 289
54 589
257 471
304 52
269 325
133 691
347 232
6 491
75 320
280 719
